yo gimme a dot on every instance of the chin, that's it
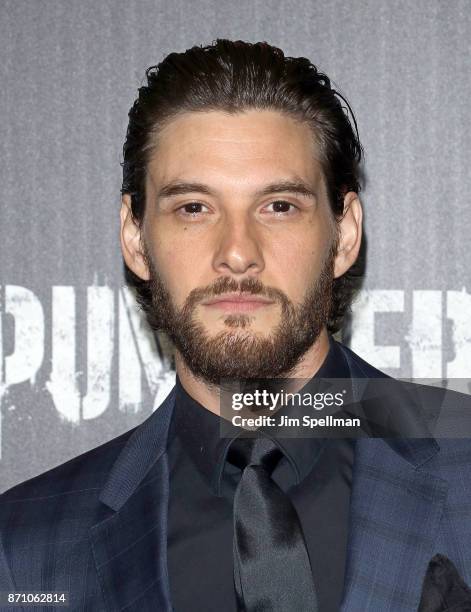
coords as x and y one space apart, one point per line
244 323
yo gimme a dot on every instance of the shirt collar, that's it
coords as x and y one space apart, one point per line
199 430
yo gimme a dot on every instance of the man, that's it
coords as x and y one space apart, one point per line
241 229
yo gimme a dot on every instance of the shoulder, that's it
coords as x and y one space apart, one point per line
358 366
81 477
446 411
50 516
58 506
86 474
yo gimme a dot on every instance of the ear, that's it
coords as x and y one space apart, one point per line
131 241
350 228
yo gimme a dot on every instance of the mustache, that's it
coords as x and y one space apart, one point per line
226 284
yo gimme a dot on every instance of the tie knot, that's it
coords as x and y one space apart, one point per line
254 451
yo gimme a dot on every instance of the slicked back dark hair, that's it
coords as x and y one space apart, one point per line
234 76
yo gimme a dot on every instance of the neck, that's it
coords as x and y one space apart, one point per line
208 395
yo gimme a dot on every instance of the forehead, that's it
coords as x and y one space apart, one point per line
245 149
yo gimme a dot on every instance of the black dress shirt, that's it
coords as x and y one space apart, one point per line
316 473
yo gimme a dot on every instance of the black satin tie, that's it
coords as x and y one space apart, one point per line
272 572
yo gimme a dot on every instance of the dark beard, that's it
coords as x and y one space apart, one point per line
238 354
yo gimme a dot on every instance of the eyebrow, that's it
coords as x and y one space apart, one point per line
298 187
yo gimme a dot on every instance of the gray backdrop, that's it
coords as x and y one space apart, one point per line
77 366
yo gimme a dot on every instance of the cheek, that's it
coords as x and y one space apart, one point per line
182 265
170 262
298 261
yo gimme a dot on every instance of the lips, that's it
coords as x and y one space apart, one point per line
237 302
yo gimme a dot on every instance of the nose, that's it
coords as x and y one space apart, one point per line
238 248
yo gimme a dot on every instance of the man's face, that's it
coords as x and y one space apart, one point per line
240 241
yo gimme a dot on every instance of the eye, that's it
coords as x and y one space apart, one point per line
281 207
191 209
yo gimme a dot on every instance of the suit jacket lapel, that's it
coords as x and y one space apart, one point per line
130 540
395 511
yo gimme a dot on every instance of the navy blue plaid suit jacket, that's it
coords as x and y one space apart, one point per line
96 526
